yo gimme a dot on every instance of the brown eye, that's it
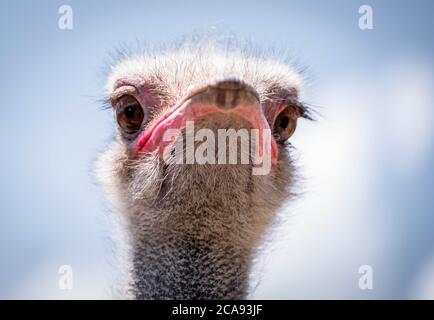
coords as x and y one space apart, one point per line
285 124
129 114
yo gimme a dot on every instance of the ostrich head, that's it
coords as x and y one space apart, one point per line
194 226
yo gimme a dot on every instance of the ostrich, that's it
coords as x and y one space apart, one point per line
194 229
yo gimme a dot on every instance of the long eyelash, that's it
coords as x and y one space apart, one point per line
105 103
309 111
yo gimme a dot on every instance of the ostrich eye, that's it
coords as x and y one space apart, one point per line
285 124
129 114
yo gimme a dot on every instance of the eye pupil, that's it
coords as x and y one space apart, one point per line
284 121
129 114
285 124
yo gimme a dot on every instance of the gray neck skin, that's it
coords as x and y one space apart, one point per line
177 266
197 238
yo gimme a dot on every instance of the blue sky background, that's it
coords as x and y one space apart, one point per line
368 164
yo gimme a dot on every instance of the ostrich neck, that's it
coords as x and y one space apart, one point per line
204 260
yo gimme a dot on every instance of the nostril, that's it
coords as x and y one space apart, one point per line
226 98
228 93
230 84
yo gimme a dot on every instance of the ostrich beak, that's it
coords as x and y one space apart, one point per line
229 96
